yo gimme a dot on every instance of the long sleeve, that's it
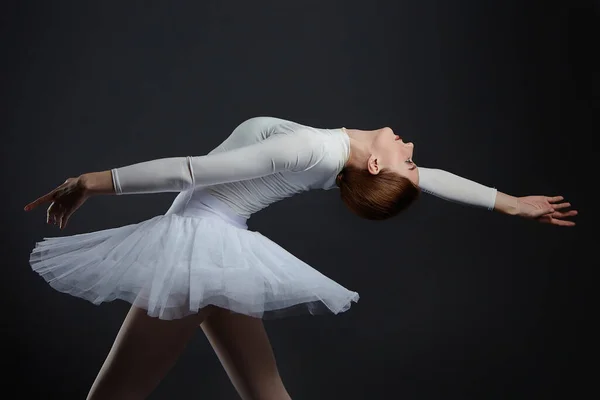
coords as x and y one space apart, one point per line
279 152
457 189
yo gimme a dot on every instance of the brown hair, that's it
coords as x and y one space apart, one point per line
375 197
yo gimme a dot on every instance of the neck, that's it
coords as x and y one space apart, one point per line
360 147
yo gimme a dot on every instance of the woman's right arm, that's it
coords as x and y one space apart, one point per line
98 182
294 152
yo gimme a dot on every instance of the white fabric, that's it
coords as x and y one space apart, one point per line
264 160
200 251
267 159
174 264
451 187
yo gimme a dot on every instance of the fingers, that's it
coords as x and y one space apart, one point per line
65 219
561 205
55 214
58 215
40 200
60 209
558 214
561 222
49 214
556 218
47 197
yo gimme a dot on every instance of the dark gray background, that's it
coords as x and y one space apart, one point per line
456 302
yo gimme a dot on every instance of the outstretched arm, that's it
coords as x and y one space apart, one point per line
457 189
292 152
279 152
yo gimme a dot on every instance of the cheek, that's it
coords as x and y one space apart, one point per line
383 145
399 159
382 140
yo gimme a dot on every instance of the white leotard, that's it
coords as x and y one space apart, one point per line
267 159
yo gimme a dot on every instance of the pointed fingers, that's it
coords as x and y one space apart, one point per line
554 199
40 200
561 222
561 205
45 198
52 213
62 218
559 214
65 220
49 217
556 221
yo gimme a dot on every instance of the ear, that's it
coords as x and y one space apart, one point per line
373 165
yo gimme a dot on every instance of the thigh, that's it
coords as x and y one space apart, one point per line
144 350
243 347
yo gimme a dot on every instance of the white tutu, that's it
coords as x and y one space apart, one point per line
198 253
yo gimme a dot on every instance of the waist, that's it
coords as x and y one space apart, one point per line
202 204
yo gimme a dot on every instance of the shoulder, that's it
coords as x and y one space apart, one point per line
293 137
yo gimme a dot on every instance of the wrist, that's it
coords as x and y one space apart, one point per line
506 204
94 183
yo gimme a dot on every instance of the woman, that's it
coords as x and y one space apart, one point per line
198 264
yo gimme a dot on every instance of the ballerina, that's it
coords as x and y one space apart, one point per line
200 265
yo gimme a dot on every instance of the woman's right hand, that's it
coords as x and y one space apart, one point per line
64 201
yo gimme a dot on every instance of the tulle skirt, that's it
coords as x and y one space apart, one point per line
200 252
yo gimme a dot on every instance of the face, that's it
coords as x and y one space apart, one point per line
390 151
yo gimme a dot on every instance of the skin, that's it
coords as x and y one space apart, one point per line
146 347
381 148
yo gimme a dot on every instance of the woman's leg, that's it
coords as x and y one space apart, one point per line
242 345
143 352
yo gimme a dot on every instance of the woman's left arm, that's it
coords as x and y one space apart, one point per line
457 189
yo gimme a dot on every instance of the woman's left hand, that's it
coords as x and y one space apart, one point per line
65 200
545 209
